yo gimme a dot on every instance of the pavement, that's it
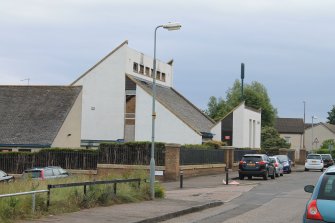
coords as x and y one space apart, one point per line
198 193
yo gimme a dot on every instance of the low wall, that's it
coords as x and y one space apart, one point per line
201 170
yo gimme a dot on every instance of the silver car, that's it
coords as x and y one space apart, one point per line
278 166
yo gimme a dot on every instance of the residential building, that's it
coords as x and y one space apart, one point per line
35 117
292 130
241 128
315 135
117 103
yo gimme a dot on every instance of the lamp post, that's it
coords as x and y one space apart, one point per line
170 27
313 117
303 142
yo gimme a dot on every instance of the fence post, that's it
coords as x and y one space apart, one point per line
33 202
172 160
48 199
114 188
181 176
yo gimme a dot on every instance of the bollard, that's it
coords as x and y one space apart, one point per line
226 175
181 176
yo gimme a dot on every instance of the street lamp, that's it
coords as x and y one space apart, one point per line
313 117
170 27
303 142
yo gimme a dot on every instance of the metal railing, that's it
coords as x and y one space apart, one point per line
239 153
33 193
189 156
90 183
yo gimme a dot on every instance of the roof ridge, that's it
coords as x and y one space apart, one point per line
100 61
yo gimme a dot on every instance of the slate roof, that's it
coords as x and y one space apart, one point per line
330 127
290 125
179 106
32 115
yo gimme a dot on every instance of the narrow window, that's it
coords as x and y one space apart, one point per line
135 67
158 76
141 69
163 77
147 71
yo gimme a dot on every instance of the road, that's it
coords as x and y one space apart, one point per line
279 200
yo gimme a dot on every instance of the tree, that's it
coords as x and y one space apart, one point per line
331 116
270 139
255 96
326 143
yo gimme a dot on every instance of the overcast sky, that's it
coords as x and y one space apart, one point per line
287 45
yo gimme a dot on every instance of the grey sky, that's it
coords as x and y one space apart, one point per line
286 45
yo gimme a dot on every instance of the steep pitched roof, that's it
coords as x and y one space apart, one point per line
33 115
179 106
329 126
289 125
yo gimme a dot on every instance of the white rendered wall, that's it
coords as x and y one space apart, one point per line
104 97
241 130
146 61
320 132
216 130
168 128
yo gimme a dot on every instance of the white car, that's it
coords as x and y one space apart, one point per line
314 162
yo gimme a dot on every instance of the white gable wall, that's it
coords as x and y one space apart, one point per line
104 98
246 128
146 61
216 130
168 128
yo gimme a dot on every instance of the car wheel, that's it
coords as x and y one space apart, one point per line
241 177
249 177
273 176
322 170
281 174
306 169
265 176
277 174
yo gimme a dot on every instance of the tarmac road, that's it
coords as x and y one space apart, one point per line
279 200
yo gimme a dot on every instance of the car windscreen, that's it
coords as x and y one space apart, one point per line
272 159
314 157
327 188
252 158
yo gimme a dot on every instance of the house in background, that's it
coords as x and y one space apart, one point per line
117 103
241 128
35 117
292 130
316 134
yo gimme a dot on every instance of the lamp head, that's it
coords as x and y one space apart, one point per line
172 26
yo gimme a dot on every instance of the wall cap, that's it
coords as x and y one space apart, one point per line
175 145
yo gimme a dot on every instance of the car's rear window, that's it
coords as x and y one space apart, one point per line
314 157
282 158
326 156
252 158
327 188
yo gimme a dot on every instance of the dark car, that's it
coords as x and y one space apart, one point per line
256 165
287 163
327 160
4 177
43 173
321 206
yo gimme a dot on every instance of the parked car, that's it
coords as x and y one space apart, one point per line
43 173
4 177
321 206
278 166
287 163
256 165
327 160
314 162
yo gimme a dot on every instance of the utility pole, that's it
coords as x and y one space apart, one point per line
242 78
